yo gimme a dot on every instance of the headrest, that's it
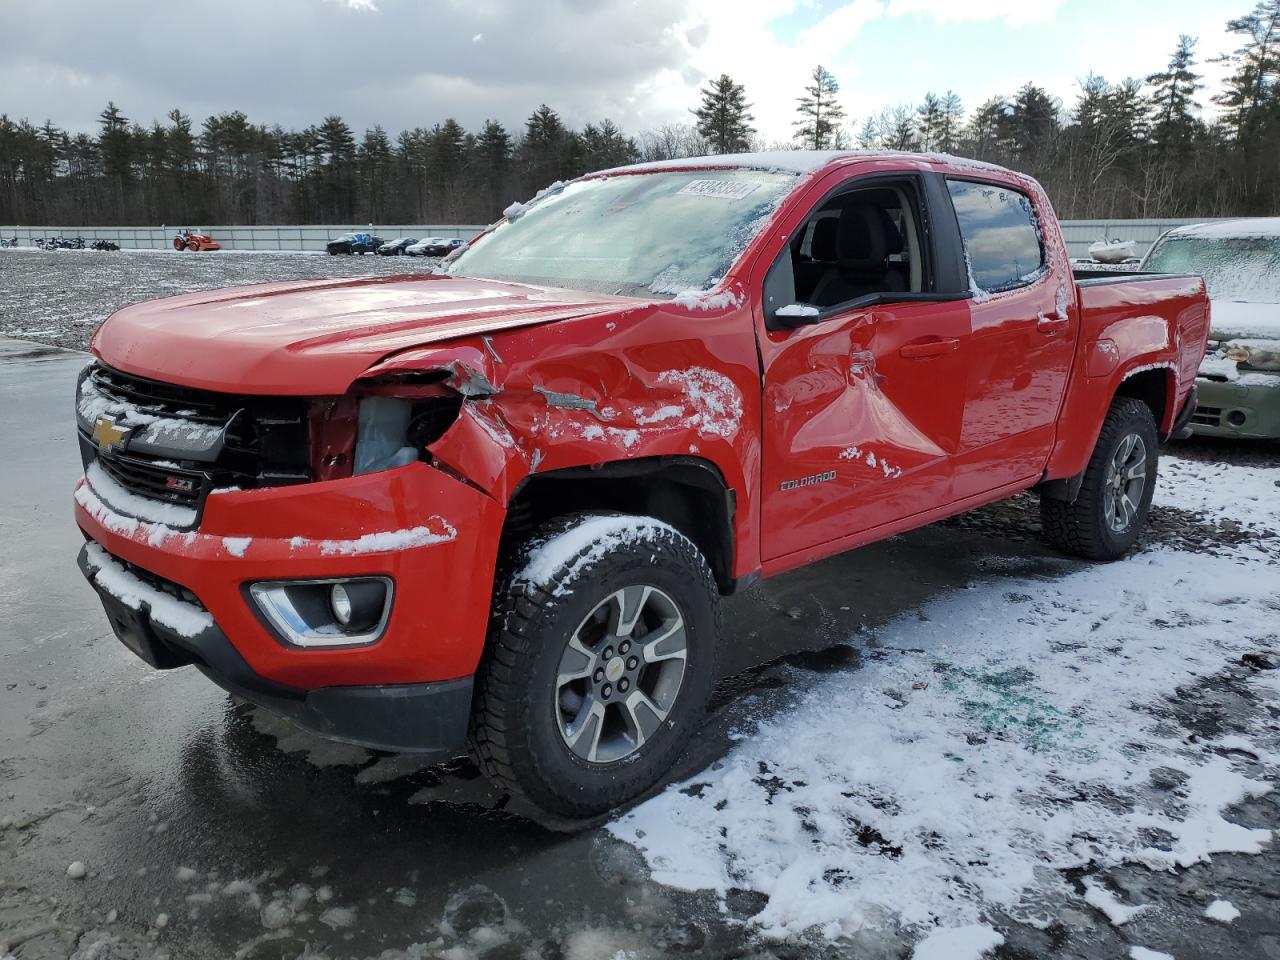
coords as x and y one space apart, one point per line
822 245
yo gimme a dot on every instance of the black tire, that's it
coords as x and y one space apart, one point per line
521 725
1085 526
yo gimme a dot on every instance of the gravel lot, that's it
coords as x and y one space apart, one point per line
1046 694
59 297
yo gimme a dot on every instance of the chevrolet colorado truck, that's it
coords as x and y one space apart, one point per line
495 508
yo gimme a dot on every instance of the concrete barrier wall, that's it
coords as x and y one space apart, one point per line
1078 233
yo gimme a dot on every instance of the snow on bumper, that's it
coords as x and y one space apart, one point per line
434 536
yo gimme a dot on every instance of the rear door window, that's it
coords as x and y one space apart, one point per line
1001 235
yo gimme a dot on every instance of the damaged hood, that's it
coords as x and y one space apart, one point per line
314 337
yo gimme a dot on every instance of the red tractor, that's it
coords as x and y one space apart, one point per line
187 240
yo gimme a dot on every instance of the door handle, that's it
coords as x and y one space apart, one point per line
1051 325
933 347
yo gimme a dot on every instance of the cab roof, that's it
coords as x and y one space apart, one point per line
797 161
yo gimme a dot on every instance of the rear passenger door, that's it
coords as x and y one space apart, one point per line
1024 326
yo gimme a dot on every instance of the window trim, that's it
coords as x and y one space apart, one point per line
1045 267
918 182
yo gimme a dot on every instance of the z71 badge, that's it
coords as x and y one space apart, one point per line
807 481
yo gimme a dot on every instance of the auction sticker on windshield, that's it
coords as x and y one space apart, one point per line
721 189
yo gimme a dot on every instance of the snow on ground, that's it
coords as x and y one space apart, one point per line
999 735
1221 910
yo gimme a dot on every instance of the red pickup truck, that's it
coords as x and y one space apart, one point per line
496 507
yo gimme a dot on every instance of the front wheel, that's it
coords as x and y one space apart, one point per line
1107 517
599 663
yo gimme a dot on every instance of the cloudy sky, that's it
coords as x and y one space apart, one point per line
406 63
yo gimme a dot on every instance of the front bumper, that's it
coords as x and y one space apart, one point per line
1247 409
361 526
428 718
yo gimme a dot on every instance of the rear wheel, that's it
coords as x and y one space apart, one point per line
1106 518
599 663
179 245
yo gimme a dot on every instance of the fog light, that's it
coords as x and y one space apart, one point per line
340 604
1236 418
326 613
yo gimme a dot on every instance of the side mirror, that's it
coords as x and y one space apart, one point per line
797 315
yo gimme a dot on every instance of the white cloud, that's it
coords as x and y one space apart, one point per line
1016 13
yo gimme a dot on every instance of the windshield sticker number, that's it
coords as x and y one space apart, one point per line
720 189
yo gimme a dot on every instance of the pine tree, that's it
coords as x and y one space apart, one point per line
820 112
723 117
988 133
1253 84
604 146
1173 102
547 150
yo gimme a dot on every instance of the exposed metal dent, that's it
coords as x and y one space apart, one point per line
569 401
469 381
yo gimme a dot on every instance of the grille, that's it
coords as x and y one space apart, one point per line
150 479
1207 416
266 442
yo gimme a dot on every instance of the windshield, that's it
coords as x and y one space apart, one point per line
1235 268
634 234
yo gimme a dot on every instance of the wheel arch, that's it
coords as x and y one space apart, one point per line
688 492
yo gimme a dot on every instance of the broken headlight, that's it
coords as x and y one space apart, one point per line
388 426
1255 354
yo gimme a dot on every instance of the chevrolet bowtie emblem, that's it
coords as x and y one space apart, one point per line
107 435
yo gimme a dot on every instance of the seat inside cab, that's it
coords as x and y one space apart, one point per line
858 243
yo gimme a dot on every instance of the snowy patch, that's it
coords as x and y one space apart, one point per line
958 943
436 530
174 432
1100 898
1224 911
1236 319
1218 368
113 495
593 539
236 546
715 401
1142 953
183 618
856 454
698 300
1247 496
516 210
986 748
797 310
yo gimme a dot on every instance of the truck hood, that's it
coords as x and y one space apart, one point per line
314 337
1233 319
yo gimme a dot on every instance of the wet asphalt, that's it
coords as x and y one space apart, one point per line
139 774
208 829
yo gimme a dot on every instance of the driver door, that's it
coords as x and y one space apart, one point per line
863 404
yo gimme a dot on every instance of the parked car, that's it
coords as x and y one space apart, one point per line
348 243
193 241
1239 382
394 248
435 247
503 510
60 243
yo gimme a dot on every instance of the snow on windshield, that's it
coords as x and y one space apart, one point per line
663 233
1243 268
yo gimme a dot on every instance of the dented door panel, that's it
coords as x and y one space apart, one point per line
861 415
